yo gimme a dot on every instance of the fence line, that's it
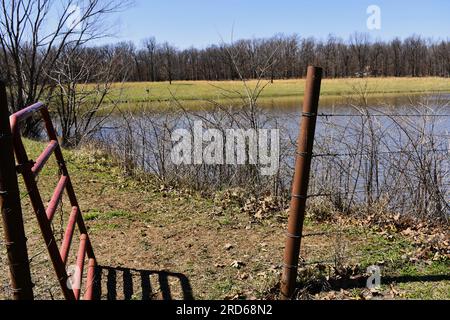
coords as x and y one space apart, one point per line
352 115
323 155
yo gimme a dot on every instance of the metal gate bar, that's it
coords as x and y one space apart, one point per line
30 170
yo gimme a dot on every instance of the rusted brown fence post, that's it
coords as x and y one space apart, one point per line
11 209
301 182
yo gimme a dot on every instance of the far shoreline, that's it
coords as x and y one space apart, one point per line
193 95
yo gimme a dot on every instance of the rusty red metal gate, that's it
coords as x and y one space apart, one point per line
30 171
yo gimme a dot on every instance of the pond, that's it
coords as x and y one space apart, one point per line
394 149
287 111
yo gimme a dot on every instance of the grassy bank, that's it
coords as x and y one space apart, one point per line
219 90
157 242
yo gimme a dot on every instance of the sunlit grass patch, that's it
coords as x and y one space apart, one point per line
134 93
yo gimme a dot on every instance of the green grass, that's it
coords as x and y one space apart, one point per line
221 288
421 285
190 92
424 280
91 216
95 215
380 249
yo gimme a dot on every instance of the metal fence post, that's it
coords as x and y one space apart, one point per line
301 182
13 228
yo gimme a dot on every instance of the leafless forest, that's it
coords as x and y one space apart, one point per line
37 61
290 56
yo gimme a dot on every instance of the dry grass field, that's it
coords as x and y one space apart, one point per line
217 90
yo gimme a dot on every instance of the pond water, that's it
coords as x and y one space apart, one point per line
393 146
287 112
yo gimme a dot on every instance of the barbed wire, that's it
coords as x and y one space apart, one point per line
336 259
325 233
350 115
355 154
373 192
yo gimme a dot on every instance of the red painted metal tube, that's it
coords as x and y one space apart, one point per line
74 202
29 171
25 113
90 280
39 209
43 158
68 235
56 198
80 266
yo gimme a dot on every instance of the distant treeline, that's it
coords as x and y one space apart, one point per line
285 57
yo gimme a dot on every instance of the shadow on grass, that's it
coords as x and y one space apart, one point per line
137 284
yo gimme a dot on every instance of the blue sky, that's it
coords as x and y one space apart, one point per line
198 23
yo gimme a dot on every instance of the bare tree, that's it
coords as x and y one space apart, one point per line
359 44
30 48
357 56
168 53
83 83
151 46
